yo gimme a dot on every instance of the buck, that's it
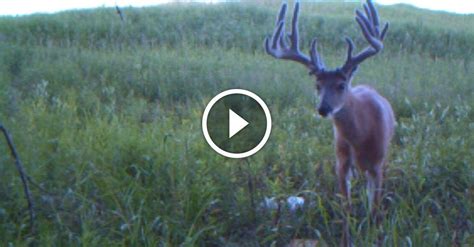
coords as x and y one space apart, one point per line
363 120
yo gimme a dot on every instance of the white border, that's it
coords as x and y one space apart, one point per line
253 150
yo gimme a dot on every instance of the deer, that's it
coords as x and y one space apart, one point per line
363 120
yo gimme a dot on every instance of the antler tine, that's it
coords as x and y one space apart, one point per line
276 38
280 31
277 46
350 47
279 26
295 33
365 24
369 33
373 13
282 14
369 24
316 58
367 12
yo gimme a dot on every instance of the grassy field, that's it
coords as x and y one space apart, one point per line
106 117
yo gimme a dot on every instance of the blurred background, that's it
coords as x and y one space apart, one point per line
22 7
106 115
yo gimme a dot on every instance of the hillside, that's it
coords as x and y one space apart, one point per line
106 116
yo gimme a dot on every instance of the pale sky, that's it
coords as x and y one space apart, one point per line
21 7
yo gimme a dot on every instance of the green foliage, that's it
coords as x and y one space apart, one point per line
106 118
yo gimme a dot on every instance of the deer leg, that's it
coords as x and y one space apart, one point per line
344 176
344 164
370 189
374 191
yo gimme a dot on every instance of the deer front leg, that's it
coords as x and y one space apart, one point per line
344 164
374 191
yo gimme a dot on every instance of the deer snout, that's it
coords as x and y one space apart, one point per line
324 109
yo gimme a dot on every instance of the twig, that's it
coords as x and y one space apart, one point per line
276 219
251 188
119 12
23 176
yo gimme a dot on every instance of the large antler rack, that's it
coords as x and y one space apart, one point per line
369 24
278 47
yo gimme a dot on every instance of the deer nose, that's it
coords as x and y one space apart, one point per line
324 109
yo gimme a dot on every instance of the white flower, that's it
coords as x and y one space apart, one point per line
295 202
270 203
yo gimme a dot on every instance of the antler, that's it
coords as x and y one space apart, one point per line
369 23
278 46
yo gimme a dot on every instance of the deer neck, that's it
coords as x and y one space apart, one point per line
344 120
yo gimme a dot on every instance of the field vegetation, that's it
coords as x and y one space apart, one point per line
106 116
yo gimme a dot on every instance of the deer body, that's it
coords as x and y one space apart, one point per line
363 128
363 120
365 123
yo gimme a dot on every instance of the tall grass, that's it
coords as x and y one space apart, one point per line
106 116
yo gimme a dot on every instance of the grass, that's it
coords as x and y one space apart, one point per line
106 118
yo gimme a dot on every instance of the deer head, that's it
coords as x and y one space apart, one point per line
333 86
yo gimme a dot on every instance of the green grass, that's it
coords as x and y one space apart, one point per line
106 117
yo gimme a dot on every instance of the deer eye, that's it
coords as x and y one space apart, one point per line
341 87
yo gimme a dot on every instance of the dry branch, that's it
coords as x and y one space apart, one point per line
119 12
23 176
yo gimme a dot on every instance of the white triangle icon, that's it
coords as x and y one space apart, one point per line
236 123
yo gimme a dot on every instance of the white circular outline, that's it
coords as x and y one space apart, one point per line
251 151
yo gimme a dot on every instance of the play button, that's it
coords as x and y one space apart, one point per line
236 123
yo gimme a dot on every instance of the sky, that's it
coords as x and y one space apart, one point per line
22 7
